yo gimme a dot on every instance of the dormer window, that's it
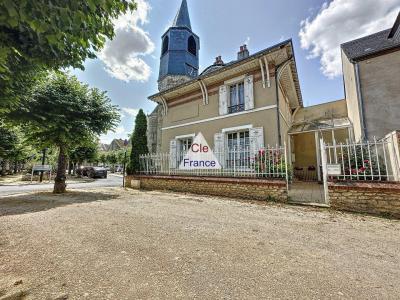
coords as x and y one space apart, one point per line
236 98
192 47
165 45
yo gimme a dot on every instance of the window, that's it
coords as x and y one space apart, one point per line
238 149
192 47
236 98
184 146
165 45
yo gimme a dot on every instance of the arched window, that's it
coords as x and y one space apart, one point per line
192 47
165 45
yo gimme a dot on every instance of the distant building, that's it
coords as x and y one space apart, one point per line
371 70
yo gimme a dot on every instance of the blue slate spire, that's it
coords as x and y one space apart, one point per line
182 18
180 50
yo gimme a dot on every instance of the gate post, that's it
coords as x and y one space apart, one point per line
324 171
286 167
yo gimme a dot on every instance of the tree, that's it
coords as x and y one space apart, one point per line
112 159
103 159
8 144
42 34
139 143
64 113
88 152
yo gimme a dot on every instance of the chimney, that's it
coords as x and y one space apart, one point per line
243 52
218 61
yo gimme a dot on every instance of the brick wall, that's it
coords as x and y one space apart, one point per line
373 198
254 189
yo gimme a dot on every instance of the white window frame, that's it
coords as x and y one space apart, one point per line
229 88
179 140
238 130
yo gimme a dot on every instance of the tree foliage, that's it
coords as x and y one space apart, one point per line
139 143
64 113
42 34
88 152
8 141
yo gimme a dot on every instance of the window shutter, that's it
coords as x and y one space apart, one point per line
173 154
223 100
219 148
256 139
249 92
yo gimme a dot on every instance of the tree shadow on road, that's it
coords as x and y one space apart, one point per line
31 203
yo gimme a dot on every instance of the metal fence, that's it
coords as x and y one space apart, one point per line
363 161
269 162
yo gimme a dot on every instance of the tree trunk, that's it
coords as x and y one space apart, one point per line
70 167
3 167
59 182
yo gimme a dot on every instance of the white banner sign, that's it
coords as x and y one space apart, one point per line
200 156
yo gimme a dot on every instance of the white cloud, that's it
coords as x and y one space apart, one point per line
340 21
123 56
247 41
120 129
118 133
130 112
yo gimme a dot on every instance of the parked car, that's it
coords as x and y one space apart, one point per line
93 172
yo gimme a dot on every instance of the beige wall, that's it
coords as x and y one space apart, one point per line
265 119
305 148
285 116
195 111
380 88
351 96
262 97
322 111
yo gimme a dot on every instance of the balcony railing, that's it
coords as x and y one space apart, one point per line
236 108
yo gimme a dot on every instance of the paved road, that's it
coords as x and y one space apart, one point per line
111 181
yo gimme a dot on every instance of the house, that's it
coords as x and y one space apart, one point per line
245 104
371 72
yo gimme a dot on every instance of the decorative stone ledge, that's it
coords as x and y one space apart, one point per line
378 198
244 188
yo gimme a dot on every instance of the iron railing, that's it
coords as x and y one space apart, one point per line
363 161
269 162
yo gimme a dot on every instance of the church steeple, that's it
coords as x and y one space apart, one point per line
180 51
182 18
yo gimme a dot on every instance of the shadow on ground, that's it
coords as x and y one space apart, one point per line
30 203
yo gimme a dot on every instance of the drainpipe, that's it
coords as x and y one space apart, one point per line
278 117
360 102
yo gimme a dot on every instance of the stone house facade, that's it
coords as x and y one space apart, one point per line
256 100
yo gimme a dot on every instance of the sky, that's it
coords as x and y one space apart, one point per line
127 67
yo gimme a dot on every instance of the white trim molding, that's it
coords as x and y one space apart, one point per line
164 104
267 71
238 128
205 91
221 117
235 80
262 72
180 137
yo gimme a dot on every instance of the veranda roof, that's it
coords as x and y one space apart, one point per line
320 125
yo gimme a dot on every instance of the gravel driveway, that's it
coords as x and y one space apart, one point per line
115 244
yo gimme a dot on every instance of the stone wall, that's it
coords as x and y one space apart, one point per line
253 189
372 198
